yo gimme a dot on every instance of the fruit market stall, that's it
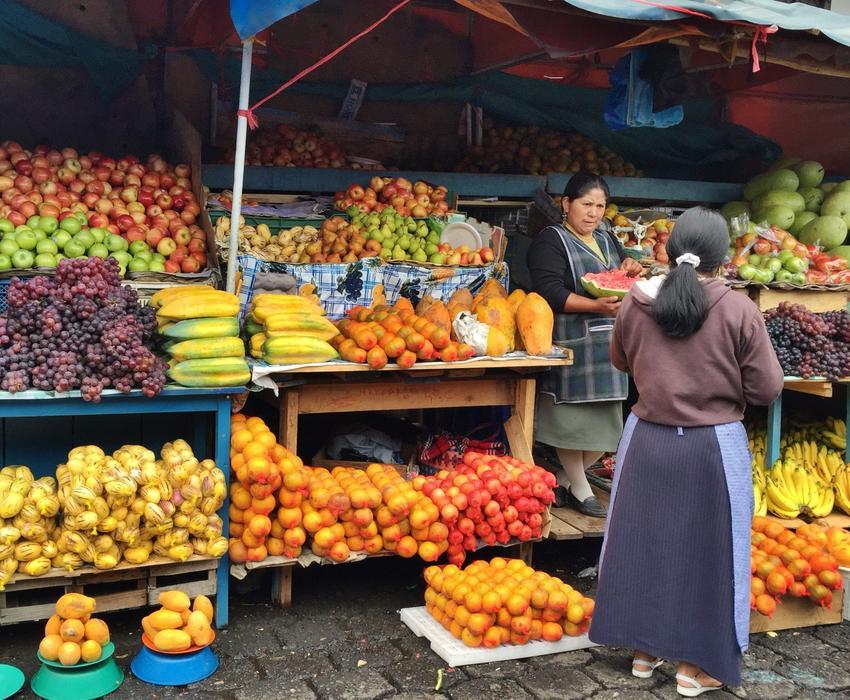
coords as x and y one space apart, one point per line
45 567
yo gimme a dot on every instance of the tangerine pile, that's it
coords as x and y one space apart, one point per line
504 601
72 635
785 562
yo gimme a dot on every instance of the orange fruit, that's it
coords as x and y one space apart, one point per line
49 647
254 450
479 623
575 613
72 631
766 604
552 631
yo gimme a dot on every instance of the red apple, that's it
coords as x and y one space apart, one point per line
172 266
201 258
16 218
86 176
125 221
97 220
151 179
133 180
135 207
187 217
135 235
90 199
54 157
190 265
138 217
197 245
69 153
167 181
182 170
154 237
166 246
102 173
40 174
95 187
182 236
48 187
117 177
129 194
164 201
23 183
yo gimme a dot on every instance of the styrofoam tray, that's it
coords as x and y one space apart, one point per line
456 653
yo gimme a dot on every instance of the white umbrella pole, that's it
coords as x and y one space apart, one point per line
239 162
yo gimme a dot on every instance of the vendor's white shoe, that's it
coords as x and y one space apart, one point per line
643 668
696 688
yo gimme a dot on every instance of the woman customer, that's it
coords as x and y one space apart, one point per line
579 408
674 574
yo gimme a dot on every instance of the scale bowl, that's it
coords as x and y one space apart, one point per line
85 682
12 679
157 668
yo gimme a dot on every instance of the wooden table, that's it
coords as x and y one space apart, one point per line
350 388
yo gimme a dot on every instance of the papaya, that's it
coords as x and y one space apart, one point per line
69 654
297 349
163 296
214 371
198 628
172 640
203 306
148 628
461 296
497 343
174 600
201 348
515 298
205 605
90 651
492 288
98 631
534 323
74 606
252 327
255 344
435 311
496 312
164 619
72 631
306 325
202 328
49 647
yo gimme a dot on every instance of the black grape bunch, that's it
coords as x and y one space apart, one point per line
80 330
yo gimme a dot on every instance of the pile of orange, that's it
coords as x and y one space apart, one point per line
504 601
785 562
72 635
265 472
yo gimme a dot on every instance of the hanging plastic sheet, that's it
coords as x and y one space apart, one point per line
630 100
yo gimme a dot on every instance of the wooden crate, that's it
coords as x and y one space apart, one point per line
127 586
814 300
794 613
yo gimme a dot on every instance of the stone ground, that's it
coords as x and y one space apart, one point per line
342 640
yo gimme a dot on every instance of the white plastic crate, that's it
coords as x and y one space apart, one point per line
456 653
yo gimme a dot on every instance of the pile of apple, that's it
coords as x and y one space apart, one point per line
149 201
489 500
417 199
287 146
534 150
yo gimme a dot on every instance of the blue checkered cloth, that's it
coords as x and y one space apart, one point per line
342 286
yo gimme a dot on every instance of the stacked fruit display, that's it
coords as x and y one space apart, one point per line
72 635
287 246
489 500
180 623
793 196
785 562
206 350
504 601
80 330
417 199
284 145
529 149
151 201
651 238
810 344
286 329
262 467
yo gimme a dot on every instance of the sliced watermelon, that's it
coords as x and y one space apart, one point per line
613 283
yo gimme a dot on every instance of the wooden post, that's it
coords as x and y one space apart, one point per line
524 395
282 588
288 426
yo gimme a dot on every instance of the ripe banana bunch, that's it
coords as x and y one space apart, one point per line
841 488
835 433
793 491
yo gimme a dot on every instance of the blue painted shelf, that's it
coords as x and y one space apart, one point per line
35 417
329 180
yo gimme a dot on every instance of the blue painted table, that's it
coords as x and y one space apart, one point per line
200 403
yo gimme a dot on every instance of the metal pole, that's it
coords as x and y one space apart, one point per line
239 162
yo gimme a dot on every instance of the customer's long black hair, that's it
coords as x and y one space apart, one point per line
681 305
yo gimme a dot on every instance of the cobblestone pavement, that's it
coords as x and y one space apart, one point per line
342 640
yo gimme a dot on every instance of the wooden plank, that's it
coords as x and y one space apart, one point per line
283 587
200 562
835 519
525 395
395 396
807 386
588 526
814 300
559 530
451 368
289 409
517 440
799 612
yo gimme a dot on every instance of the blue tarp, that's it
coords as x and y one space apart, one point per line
795 16
252 16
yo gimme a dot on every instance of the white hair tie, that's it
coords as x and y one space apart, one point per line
688 259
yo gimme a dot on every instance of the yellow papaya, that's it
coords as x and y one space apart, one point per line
301 325
213 371
435 311
164 619
201 348
198 628
202 328
163 296
177 601
296 350
201 306
74 606
496 312
172 640
535 322
205 605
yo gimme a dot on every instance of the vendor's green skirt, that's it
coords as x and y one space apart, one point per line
593 427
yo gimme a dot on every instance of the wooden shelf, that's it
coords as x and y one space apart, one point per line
569 524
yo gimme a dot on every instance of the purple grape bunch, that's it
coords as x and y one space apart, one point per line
80 330
809 344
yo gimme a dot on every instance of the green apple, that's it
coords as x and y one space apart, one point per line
440 259
6 226
156 266
137 247
138 265
115 243
45 260
747 272
47 246
785 255
145 255
784 276
26 240
798 278
9 246
5 262
755 260
39 235
61 238
59 258
763 276
85 238
98 250
795 264
122 256
32 222
70 224
74 249
48 224
774 265
99 234
22 259
158 257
